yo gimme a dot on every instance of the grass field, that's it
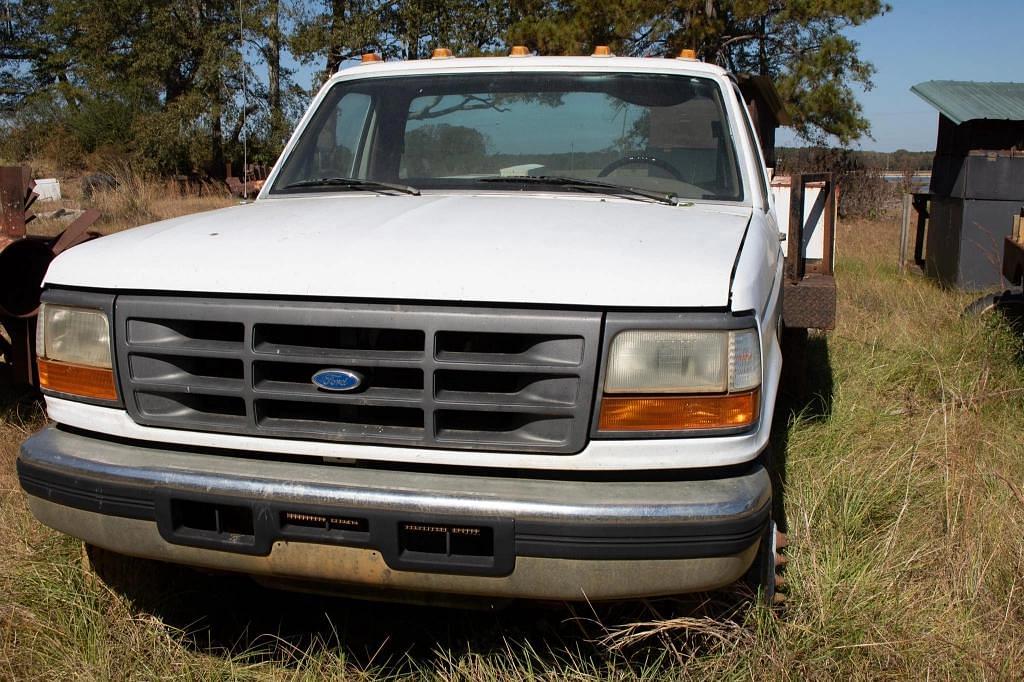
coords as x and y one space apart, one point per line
904 506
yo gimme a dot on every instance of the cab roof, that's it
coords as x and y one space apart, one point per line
532 63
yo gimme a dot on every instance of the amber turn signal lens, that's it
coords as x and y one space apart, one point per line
79 380
678 413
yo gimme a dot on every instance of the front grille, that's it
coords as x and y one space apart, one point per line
458 378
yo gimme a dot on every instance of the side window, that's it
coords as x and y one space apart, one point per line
341 142
755 146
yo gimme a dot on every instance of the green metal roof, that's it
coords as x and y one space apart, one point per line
961 101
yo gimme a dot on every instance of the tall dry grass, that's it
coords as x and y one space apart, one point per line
139 198
136 198
903 500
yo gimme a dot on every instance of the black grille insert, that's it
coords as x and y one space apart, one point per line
176 331
501 427
273 412
268 337
179 369
184 405
518 348
517 387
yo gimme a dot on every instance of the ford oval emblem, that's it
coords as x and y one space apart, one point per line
337 380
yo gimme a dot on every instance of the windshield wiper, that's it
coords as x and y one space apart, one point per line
587 186
355 183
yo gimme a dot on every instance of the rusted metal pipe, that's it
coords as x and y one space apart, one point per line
16 196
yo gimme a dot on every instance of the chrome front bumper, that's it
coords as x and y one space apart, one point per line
541 538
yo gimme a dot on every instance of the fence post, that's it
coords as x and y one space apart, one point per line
905 230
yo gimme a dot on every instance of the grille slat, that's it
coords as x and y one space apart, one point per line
296 354
346 360
513 408
505 388
192 386
190 350
287 391
435 377
381 397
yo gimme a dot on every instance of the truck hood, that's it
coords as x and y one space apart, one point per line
497 248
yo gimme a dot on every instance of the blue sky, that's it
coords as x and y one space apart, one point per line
980 40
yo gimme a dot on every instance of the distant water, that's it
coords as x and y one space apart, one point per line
918 183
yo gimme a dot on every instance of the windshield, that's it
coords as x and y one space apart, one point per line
658 132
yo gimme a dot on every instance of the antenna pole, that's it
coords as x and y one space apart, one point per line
245 104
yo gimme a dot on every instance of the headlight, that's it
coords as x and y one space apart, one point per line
648 361
73 348
642 361
677 380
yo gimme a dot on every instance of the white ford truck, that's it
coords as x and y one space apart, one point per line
494 327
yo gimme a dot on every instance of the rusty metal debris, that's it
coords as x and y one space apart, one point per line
24 259
255 177
1013 252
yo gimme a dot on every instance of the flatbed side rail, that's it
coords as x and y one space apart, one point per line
809 290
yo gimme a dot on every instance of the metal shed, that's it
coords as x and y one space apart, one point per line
977 183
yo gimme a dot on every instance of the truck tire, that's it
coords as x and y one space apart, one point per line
794 362
762 578
1009 302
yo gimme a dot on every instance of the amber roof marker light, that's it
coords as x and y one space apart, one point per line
441 53
602 51
689 54
519 51
370 58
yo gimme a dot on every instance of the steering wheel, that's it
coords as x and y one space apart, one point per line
640 158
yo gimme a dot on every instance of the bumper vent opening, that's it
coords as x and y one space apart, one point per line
423 538
217 519
321 522
471 541
446 541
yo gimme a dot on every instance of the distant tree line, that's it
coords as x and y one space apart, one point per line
824 159
867 188
178 84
